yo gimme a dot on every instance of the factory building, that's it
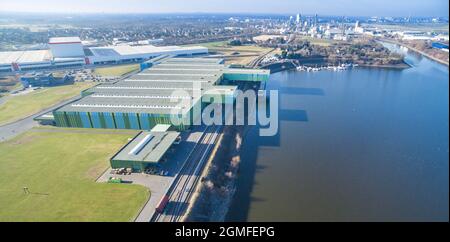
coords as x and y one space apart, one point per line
62 47
127 53
45 79
145 150
144 100
69 52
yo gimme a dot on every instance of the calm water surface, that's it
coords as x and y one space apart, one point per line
358 145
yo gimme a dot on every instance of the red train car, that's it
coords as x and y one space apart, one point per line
162 204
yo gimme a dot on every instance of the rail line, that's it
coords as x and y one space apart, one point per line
184 186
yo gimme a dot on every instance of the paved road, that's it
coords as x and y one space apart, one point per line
11 130
184 185
254 63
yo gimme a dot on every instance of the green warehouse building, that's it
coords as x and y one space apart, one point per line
144 100
146 150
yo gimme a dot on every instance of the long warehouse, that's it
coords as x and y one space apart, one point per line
65 52
146 99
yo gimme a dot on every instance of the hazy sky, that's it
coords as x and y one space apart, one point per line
323 7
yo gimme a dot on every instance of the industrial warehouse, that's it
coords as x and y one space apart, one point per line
144 100
146 150
69 52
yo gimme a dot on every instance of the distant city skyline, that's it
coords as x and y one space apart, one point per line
322 7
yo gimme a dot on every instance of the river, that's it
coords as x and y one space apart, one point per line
364 144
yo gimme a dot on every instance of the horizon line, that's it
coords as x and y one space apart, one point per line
212 13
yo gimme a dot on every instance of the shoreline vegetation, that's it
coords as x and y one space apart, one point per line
429 56
215 192
365 52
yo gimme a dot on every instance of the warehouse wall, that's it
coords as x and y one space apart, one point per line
246 77
137 166
105 120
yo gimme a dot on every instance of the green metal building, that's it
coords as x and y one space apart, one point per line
147 98
145 150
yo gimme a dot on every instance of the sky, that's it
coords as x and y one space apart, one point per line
321 7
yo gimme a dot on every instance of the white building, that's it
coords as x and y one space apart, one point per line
70 52
415 35
62 47
358 29
127 53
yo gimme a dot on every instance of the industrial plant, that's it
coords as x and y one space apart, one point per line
69 52
146 99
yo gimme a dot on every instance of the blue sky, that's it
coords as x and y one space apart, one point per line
322 7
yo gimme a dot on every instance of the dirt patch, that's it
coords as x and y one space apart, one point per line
24 139
94 172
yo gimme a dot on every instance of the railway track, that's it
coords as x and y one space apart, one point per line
183 188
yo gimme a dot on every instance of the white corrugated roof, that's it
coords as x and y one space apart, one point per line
161 128
8 57
28 56
61 40
136 50
34 56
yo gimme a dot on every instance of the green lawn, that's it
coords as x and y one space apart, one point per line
60 171
116 70
20 106
317 41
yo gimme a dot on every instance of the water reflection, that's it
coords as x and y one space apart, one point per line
362 145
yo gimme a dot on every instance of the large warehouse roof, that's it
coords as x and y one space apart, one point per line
63 49
151 91
29 56
147 147
64 40
124 50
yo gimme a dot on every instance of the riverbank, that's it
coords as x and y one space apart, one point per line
397 66
218 183
284 66
279 67
214 194
416 51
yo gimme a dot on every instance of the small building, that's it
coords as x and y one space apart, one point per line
146 150
45 80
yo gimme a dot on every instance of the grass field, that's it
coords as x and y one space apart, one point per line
20 106
8 84
116 70
59 170
317 41
209 45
